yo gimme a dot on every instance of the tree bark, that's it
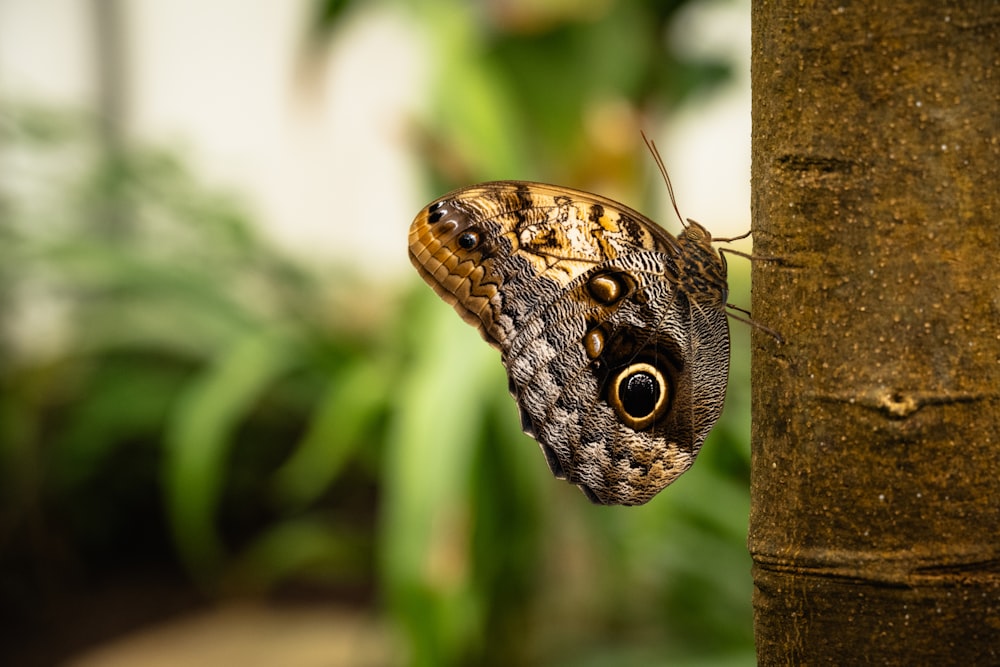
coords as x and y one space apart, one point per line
875 489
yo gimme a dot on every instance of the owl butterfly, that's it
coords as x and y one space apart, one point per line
613 332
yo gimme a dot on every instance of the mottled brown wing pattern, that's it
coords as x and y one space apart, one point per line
613 332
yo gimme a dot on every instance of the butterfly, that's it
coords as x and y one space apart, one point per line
614 333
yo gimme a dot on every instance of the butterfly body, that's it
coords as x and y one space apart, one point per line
613 332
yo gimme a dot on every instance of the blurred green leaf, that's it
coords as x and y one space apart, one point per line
327 14
129 400
426 525
320 548
201 434
355 398
472 108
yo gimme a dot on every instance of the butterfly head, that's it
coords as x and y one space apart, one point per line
696 232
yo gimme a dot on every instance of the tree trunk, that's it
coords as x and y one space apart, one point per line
875 520
110 65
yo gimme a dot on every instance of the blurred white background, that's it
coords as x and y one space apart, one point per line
326 167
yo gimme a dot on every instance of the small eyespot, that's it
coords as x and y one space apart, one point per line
610 287
436 211
468 240
593 343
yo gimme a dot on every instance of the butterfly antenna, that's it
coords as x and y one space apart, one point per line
651 145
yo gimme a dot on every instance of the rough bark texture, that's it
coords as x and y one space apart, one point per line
875 520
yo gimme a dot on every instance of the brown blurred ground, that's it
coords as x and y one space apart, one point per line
250 634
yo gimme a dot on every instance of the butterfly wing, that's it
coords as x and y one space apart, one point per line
615 341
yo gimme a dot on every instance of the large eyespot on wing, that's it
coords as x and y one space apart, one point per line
639 394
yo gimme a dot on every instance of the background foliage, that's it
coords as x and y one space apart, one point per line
180 402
